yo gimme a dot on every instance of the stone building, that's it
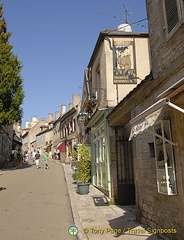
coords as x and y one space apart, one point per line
25 140
6 138
120 60
161 204
45 137
17 137
152 116
65 129
10 143
30 132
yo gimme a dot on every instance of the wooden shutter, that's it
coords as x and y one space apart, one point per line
172 14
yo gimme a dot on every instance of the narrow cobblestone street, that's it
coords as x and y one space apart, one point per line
34 204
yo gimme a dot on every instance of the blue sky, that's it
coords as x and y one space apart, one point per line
54 41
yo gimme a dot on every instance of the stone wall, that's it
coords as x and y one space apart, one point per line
164 52
6 138
113 167
154 209
33 132
178 133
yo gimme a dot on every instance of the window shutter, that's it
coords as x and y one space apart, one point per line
172 14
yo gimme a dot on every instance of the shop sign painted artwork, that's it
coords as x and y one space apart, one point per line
124 71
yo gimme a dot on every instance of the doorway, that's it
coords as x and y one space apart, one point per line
125 172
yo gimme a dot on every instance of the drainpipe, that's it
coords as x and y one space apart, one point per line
87 84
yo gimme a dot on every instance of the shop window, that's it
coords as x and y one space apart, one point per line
166 179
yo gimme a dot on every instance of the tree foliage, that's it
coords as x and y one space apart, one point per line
11 88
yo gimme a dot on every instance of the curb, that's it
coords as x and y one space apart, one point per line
80 235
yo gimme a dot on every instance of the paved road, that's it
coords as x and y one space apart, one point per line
34 204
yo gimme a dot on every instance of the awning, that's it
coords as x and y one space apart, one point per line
144 123
61 146
147 118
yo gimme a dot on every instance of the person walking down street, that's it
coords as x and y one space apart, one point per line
37 159
26 157
45 157
33 155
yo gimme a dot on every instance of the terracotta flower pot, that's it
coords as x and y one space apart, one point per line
17 164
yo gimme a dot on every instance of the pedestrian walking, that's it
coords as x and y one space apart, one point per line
33 155
45 157
26 157
37 159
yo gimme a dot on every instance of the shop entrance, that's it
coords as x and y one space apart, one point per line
125 172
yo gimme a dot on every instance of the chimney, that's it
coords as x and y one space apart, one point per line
63 109
27 123
57 114
70 106
50 117
34 119
75 99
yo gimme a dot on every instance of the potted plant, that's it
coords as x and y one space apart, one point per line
17 158
83 174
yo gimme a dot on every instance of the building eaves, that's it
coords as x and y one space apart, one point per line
66 115
25 134
147 79
26 129
52 122
17 142
44 131
44 126
110 33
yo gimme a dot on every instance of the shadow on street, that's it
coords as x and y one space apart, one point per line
11 168
127 224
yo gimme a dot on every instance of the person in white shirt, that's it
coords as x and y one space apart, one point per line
33 155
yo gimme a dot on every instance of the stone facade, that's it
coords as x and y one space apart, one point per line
102 65
44 140
6 138
108 85
165 52
65 129
29 133
156 209
25 141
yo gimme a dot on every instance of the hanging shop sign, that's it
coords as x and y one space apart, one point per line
124 71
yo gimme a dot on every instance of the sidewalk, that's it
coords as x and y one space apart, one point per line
96 220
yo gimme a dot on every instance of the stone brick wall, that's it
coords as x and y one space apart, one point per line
164 52
6 137
178 133
33 132
113 167
155 209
